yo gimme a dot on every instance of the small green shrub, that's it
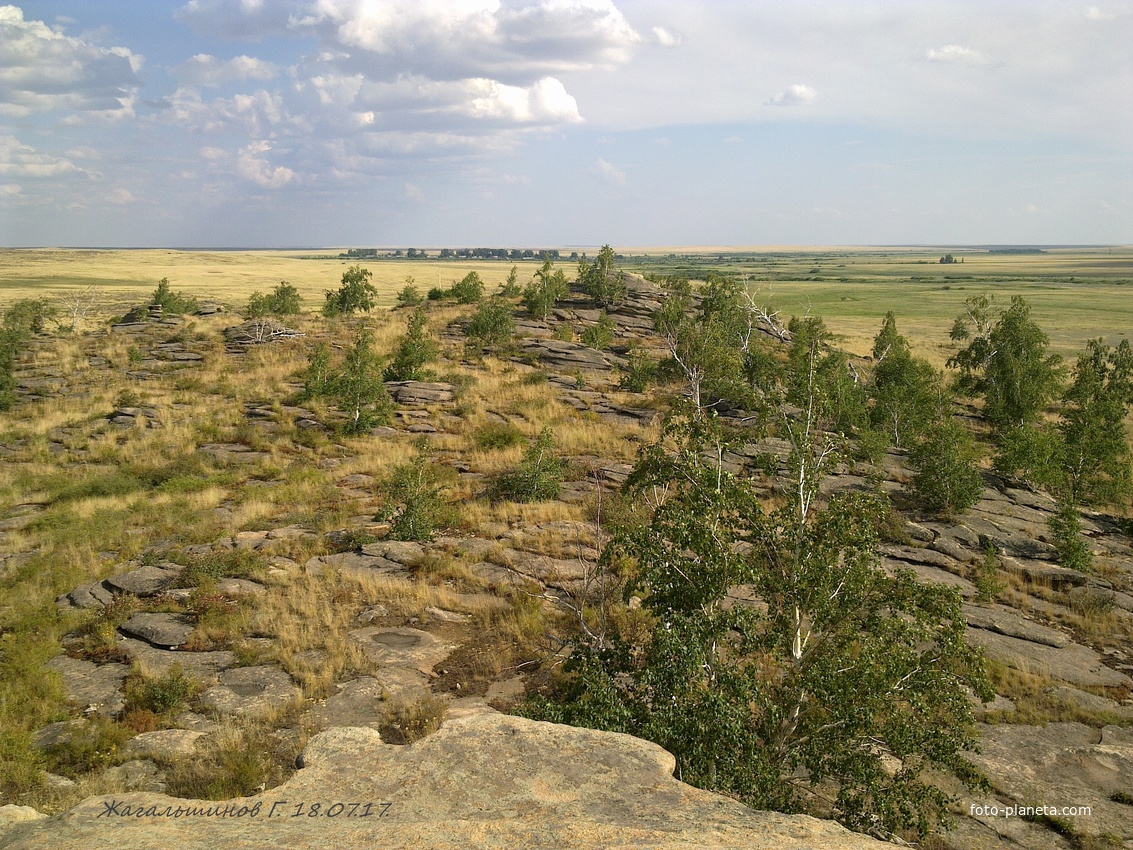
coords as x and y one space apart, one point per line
492 325
947 479
497 435
416 506
987 580
172 302
283 301
355 295
638 373
469 290
95 745
600 335
1066 526
163 695
538 477
413 352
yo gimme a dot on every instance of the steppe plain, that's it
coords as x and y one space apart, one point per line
160 487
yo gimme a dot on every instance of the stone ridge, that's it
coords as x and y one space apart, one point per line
482 781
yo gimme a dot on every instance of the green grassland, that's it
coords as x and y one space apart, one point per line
1076 294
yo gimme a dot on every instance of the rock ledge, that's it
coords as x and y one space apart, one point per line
484 781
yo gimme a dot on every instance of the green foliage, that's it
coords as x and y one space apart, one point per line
29 316
415 350
409 296
839 669
22 319
1066 527
1005 362
638 373
356 294
171 301
987 580
497 435
601 281
358 389
492 324
437 294
510 287
546 287
601 334
1094 455
703 350
469 290
947 480
538 477
318 375
162 695
416 506
905 392
355 385
283 301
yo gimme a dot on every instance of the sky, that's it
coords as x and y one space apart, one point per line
551 123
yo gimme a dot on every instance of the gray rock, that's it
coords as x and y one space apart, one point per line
166 744
404 552
144 581
254 691
1063 764
167 631
92 686
954 549
1008 622
402 647
205 667
137 775
484 780
88 596
1074 664
568 356
419 392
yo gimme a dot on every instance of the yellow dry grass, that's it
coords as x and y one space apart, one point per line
122 277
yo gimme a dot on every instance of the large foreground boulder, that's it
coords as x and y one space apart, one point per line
482 781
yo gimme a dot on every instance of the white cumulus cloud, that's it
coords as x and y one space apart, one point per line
796 95
204 70
611 173
20 160
42 70
252 166
665 38
955 53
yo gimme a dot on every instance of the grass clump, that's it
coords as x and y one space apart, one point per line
161 695
411 721
497 435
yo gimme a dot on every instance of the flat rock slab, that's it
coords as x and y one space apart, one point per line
404 552
420 392
367 701
144 581
402 647
251 691
87 596
90 684
485 780
165 744
1008 622
205 667
167 631
358 562
1074 664
1063 764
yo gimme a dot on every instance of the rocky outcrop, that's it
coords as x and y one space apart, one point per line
484 781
